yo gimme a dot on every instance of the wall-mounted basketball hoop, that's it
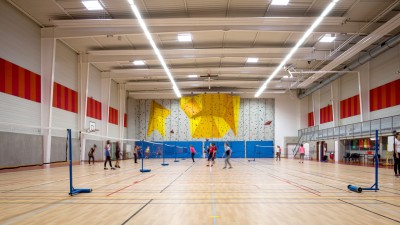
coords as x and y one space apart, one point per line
92 127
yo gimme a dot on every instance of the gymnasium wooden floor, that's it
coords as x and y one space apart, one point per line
261 192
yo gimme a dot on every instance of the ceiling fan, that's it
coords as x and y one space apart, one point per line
208 76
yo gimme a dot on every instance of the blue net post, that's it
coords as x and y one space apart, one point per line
176 150
163 156
72 190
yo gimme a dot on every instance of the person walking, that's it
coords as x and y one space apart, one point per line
91 153
107 152
396 151
278 153
117 155
302 152
227 153
192 152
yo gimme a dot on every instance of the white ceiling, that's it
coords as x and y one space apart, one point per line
224 34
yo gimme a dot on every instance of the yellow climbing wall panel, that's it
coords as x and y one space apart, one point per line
158 116
211 115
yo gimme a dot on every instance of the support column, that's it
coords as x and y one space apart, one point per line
83 81
105 101
363 91
316 106
335 96
48 52
122 109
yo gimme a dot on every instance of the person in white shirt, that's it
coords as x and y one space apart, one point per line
396 154
278 153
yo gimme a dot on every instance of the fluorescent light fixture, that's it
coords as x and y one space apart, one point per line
154 46
138 62
328 38
252 60
294 49
92 5
286 76
279 2
184 37
192 76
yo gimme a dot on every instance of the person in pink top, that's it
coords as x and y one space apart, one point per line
302 152
192 151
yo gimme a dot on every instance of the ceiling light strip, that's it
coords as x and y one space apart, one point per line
154 46
294 49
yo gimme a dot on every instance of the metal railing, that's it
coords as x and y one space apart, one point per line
384 125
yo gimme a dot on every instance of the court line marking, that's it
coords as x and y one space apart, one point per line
135 182
176 178
398 221
137 212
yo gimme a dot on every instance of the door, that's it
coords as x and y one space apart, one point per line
289 151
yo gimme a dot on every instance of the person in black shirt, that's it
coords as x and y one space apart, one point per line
91 153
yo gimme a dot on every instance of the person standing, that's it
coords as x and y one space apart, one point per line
302 152
192 152
117 155
396 154
91 153
278 153
135 152
227 153
107 152
211 154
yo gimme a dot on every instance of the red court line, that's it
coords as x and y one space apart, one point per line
135 182
286 181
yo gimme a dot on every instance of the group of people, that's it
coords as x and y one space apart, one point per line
107 152
212 153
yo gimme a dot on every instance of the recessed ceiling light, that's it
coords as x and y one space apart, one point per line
279 2
252 60
92 5
192 76
138 62
328 38
184 37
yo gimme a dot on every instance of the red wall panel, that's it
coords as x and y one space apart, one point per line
93 109
325 114
311 119
113 116
350 107
385 96
125 120
20 82
65 98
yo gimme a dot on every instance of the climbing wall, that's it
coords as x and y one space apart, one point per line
246 116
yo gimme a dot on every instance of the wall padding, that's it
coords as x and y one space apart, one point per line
350 107
20 149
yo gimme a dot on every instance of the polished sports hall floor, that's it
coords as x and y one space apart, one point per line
260 192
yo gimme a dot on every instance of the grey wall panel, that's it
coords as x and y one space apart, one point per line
58 149
20 149
98 154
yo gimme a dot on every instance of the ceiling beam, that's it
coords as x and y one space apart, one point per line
101 27
272 53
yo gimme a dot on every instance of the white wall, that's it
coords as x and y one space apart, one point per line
94 91
383 70
113 130
287 117
19 44
66 74
19 38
